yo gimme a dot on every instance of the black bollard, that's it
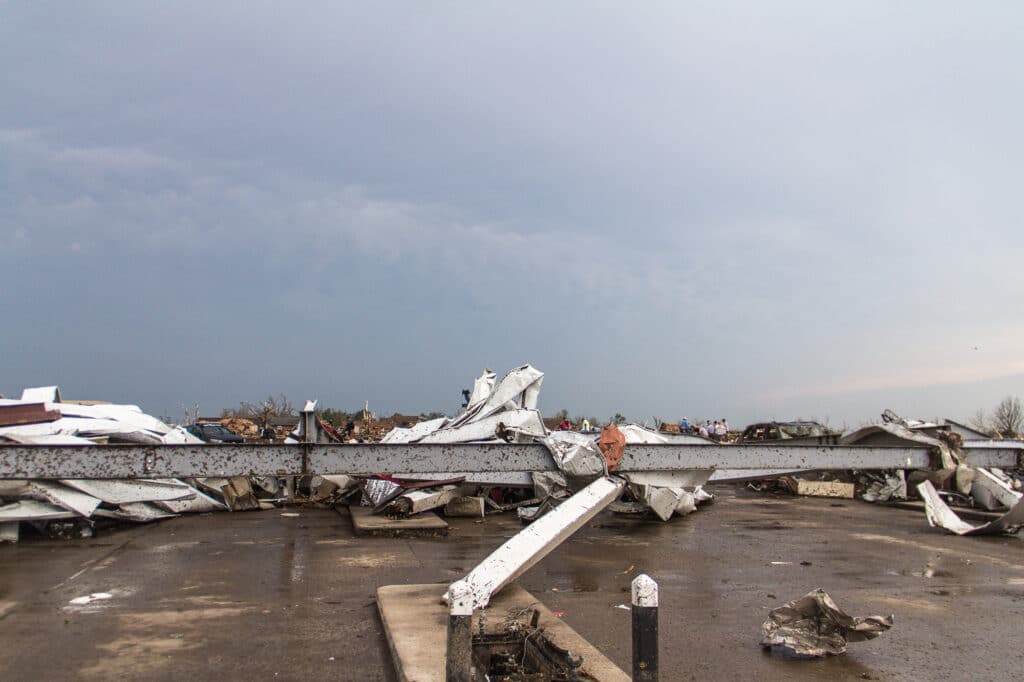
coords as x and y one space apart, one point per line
645 629
458 664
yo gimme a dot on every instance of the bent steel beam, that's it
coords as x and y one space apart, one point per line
533 543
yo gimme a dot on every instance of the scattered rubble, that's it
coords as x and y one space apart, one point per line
506 411
502 411
939 514
954 480
813 627
41 417
72 508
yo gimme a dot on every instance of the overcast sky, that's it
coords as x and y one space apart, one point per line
750 210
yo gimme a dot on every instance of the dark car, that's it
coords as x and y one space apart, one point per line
212 432
802 432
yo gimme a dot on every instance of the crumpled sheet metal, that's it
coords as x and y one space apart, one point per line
415 432
549 484
939 514
126 492
949 457
884 486
992 492
525 422
33 510
813 626
483 386
376 490
65 497
665 501
576 454
508 410
517 390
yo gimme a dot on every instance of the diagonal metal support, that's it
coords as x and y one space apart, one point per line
534 542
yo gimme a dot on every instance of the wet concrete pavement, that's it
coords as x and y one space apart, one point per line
270 596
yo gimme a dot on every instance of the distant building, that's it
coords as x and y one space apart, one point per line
966 432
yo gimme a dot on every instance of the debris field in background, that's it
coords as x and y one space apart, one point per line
497 411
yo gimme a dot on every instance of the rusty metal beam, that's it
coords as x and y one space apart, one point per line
502 461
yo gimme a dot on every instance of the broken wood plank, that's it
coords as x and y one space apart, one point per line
825 489
27 413
239 496
465 506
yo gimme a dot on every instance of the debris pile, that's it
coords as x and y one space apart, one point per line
986 486
246 428
72 508
41 417
953 483
76 507
506 411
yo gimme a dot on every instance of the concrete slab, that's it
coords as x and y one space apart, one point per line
415 623
295 595
366 523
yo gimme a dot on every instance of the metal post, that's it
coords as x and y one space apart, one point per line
459 651
309 426
645 629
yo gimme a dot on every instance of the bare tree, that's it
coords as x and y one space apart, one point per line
273 406
979 421
1008 417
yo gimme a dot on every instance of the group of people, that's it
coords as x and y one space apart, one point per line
715 430
585 426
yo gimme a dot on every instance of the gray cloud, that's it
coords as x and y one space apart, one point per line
721 207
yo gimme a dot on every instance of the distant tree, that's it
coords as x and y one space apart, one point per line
337 417
1008 417
273 406
979 421
562 414
433 415
618 419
